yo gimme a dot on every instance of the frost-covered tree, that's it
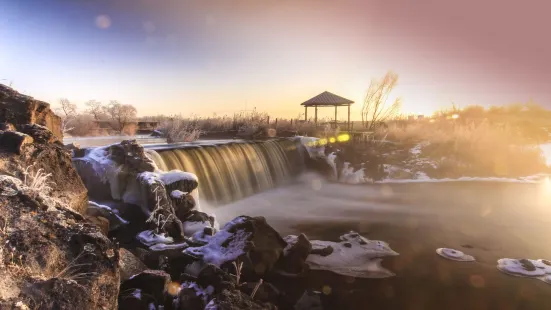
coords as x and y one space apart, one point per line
67 111
121 115
375 110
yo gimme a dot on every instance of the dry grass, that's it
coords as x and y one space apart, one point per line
37 181
474 149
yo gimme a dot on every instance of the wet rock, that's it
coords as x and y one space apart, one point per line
130 265
295 254
13 141
153 283
19 109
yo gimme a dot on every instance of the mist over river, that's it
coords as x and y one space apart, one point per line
489 220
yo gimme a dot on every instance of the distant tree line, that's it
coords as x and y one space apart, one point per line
97 118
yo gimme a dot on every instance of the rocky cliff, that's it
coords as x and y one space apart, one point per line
19 109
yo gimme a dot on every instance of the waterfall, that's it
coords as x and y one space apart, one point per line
231 171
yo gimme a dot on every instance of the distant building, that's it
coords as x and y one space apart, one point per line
104 127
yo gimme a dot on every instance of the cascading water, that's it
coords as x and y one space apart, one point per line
231 171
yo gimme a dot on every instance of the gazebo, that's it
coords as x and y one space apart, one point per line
326 99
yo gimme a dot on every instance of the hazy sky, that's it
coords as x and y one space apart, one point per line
222 56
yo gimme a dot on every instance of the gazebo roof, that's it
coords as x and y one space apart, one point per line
327 99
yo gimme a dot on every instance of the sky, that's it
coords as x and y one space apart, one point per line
222 56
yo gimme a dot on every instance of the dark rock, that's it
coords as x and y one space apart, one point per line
150 282
133 299
266 292
198 216
19 109
129 264
132 155
322 251
183 205
347 244
191 297
114 220
294 260
186 185
13 141
7 127
40 133
215 277
310 300
236 300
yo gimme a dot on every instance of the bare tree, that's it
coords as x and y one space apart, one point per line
121 115
375 111
68 112
96 109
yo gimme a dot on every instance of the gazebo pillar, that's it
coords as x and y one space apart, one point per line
305 113
348 126
335 116
316 115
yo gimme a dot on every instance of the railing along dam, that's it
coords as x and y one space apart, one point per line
229 171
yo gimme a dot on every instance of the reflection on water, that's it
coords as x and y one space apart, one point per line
232 171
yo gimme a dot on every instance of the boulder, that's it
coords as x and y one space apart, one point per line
129 264
247 239
47 166
19 109
295 254
13 141
58 259
131 155
152 283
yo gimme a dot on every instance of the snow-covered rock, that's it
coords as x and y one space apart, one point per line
455 255
354 256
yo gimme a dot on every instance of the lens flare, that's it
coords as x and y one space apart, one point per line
103 21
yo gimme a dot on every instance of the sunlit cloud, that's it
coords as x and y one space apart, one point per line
103 21
149 27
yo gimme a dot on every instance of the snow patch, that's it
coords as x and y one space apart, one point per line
354 256
455 255
191 228
137 293
204 293
176 194
149 238
215 253
177 175
164 247
522 267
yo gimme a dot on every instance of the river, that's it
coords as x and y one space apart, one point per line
487 220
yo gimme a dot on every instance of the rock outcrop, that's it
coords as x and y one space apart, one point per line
19 109
51 257
34 158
